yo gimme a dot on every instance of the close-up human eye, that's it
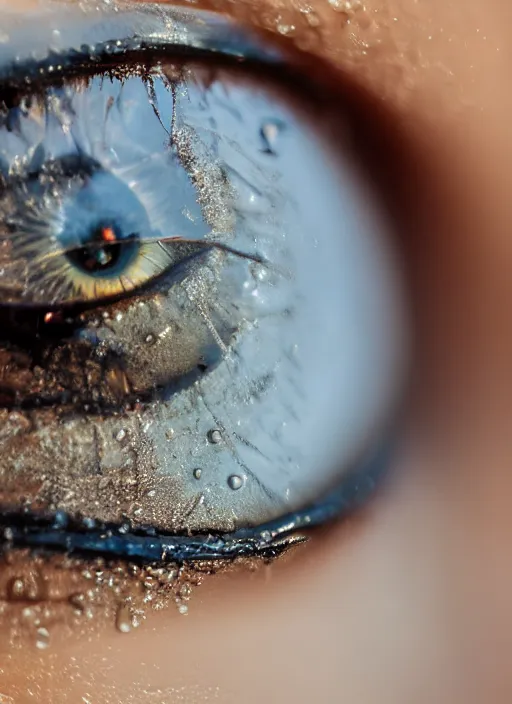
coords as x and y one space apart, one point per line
250 351
202 321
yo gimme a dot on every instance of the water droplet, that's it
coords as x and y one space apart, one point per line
214 436
286 29
197 473
43 639
344 5
185 590
183 609
312 18
121 435
123 619
28 614
77 601
259 274
235 482
269 134
18 589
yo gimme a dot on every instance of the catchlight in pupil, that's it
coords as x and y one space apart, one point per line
224 273
104 251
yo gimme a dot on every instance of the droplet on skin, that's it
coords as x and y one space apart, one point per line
43 639
286 29
345 5
185 590
123 620
183 609
17 589
235 482
312 18
77 601
28 614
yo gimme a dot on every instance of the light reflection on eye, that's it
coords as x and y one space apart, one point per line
253 347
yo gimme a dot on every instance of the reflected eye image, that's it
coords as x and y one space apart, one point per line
202 339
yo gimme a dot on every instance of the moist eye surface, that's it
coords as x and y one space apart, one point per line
201 312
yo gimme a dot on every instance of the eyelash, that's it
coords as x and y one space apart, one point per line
62 532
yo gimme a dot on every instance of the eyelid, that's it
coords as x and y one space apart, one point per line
60 532
78 40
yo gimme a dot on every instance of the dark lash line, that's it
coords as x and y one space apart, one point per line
93 59
59 532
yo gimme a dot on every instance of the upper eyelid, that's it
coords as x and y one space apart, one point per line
76 37
252 30
232 30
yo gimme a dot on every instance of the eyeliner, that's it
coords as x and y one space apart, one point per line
59 532
152 31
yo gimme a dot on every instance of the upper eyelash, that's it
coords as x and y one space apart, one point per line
212 37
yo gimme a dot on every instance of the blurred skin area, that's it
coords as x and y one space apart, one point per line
410 601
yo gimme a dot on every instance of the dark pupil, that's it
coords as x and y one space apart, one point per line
103 250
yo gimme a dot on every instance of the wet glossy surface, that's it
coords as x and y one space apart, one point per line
255 326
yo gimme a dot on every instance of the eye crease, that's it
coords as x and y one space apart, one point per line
201 304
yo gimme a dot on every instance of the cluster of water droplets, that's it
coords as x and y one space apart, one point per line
95 595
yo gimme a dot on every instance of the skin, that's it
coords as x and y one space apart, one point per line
410 601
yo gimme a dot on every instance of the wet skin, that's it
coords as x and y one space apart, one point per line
409 601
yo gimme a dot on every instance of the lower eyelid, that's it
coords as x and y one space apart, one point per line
46 595
63 532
